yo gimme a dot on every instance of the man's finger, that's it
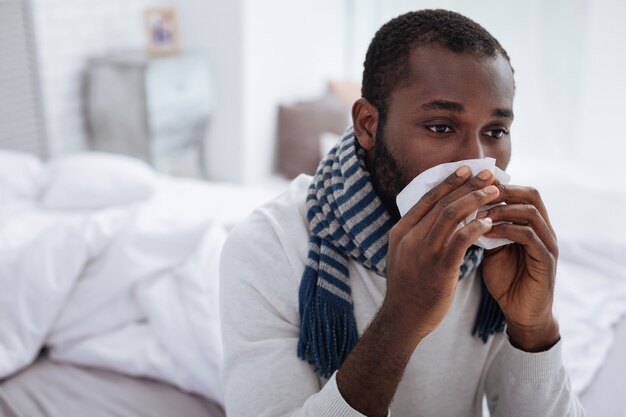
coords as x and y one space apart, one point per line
433 196
526 215
526 236
463 238
450 216
516 194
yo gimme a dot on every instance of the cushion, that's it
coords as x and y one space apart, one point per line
95 180
300 127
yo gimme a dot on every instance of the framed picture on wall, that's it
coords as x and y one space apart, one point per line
162 31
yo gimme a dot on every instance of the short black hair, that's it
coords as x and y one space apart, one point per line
386 62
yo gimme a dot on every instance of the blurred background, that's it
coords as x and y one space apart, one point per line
201 110
260 57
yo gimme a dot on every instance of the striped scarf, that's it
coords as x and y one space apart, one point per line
347 220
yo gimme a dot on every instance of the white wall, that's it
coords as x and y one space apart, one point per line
215 28
603 88
68 32
291 49
262 53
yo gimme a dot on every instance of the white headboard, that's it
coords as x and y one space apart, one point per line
21 111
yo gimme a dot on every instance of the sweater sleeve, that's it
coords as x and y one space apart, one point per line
263 376
523 384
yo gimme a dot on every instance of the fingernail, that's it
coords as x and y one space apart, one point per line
482 214
492 189
463 171
486 221
485 174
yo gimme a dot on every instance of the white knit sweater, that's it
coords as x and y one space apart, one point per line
448 374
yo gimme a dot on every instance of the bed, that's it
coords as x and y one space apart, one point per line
109 277
109 274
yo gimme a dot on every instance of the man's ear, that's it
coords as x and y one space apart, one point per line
365 122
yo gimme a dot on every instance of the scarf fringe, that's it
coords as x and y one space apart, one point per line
328 330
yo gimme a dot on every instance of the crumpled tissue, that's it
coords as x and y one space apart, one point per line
430 178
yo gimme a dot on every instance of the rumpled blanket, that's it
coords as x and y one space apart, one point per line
131 289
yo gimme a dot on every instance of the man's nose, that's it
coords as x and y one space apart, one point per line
473 147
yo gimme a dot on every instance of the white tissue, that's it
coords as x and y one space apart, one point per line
428 179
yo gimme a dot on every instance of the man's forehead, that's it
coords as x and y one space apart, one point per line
436 73
436 68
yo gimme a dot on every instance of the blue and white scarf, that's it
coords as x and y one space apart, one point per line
347 220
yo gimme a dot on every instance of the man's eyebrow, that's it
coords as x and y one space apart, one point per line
443 105
505 113
459 108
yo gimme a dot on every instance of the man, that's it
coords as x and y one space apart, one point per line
333 305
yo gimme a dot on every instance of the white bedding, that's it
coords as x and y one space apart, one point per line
131 288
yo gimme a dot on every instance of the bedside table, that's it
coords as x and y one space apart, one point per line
153 108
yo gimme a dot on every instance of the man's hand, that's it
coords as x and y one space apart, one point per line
521 276
426 250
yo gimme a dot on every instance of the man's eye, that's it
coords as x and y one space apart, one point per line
496 133
440 128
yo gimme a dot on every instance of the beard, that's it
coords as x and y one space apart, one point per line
387 175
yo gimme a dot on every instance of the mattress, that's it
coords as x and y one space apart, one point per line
50 389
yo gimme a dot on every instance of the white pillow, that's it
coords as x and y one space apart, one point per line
20 174
94 180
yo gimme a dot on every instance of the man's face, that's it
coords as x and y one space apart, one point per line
454 107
